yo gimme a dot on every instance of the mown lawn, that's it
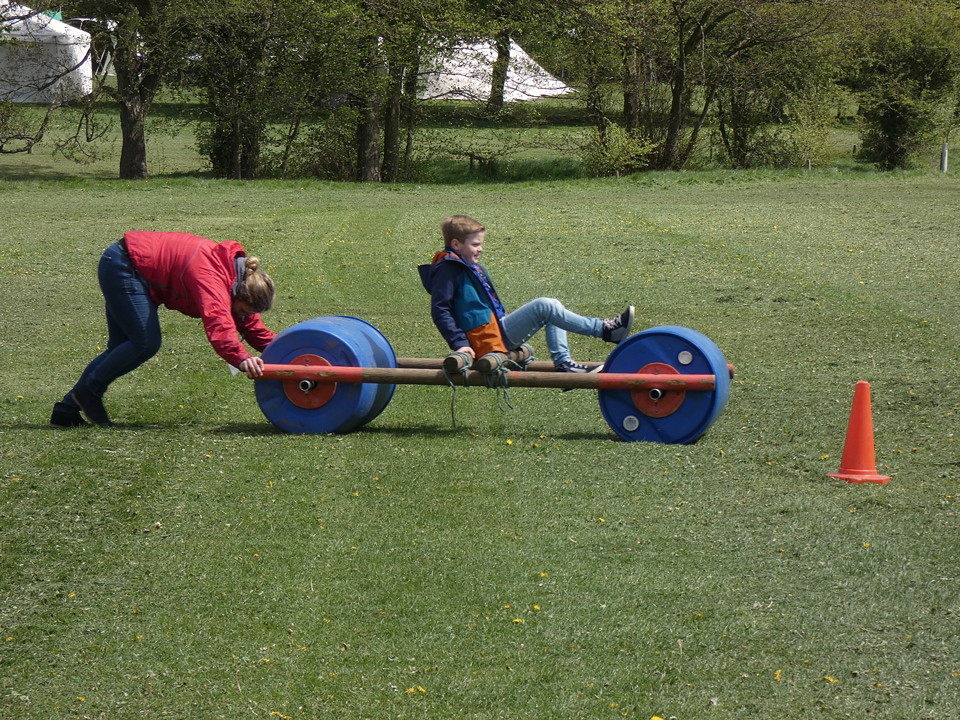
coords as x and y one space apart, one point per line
194 562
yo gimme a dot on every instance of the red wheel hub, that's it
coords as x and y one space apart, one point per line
658 403
309 394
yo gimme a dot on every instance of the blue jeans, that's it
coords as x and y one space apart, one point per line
521 325
133 324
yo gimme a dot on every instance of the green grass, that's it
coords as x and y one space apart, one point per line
193 562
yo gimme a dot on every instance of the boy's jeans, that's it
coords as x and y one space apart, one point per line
133 324
521 325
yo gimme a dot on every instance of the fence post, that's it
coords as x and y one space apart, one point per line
943 157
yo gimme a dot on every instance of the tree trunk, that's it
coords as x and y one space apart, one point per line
368 127
410 106
678 105
630 82
134 93
498 78
594 104
292 133
685 154
368 142
133 148
236 170
391 126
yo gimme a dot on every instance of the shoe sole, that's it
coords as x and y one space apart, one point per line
629 326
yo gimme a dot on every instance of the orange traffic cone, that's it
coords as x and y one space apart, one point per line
858 464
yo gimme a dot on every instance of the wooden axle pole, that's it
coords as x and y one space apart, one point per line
535 366
419 376
437 364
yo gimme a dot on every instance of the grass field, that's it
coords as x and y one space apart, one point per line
193 562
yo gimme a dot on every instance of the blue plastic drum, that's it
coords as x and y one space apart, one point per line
339 340
683 350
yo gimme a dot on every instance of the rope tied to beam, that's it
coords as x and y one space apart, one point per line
496 378
462 361
501 365
498 367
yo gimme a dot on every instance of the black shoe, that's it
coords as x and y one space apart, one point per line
616 330
63 417
92 406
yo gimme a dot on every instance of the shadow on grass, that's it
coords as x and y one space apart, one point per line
465 431
265 429
89 427
592 436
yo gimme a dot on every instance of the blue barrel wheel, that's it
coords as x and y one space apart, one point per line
686 351
342 341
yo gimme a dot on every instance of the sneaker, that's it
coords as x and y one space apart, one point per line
92 406
616 330
66 417
573 367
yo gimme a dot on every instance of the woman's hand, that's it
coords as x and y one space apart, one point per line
467 350
253 367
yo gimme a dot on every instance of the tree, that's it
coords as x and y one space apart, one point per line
148 41
340 77
906 78
673 59
252 64
587 42
732 47
775 91
394 33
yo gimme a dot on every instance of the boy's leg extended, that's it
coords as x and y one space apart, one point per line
520 325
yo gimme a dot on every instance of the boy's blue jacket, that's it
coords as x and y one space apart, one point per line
465 309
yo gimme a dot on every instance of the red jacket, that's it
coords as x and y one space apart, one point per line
196 276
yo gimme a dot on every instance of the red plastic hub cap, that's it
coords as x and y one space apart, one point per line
313 394
659 402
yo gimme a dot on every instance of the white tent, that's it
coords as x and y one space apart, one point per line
41 59
466 73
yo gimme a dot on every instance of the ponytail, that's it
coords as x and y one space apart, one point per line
256 289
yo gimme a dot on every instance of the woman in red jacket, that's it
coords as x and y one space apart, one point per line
212 281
